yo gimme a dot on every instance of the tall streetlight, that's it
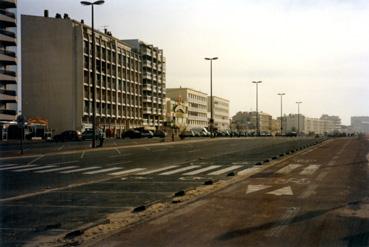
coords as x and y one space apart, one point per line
298 117
211 122
257 107
281 94
92 4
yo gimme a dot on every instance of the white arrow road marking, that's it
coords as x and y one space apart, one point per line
309 170
253 188
288 169
282 191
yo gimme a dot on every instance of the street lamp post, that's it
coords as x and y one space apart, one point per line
298 117
211 122
257 107
87 3
281 94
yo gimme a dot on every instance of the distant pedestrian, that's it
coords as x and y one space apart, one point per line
101 139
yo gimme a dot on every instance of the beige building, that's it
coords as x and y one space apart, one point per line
293 123
197 105
323 125
153 82
8 60
220 112
57 76
248 120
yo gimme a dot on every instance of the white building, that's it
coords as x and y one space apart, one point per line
220 112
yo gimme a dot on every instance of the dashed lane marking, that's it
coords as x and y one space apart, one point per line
179 170
34 168
222 171
36 159
63 163
60 148
157 170
127 171
81 169
103 170
56 169
201 170
82 155
310 170
253 188
117 150
282 191
249 170
16 167
7 165
288 169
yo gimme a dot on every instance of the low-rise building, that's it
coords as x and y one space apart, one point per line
220 112
248 121
197 103
360 124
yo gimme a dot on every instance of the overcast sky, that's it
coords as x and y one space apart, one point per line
315 51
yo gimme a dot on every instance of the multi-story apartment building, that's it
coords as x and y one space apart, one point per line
220 112
360 124
293 123
248 120
197 105
57 76
8 60
153 81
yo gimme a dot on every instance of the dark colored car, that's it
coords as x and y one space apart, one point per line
131 133
87 134
146 133
160 133
68 135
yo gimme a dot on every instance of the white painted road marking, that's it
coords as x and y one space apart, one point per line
36 159
221 171
127 171
288 169
249 170
103 170
201 170
60 148
117 150
310 170
16 167
81 169
7 165
253 188
34 168
179 170
82 155
282 191
56 169
63 163
157 170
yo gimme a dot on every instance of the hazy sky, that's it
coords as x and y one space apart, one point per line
315 51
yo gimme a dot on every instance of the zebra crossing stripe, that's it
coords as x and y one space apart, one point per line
179 170
103 170
221 171
56 169
34 168
157 170
127 171
7 165
309 170
288 169
16 167
81 169
201 170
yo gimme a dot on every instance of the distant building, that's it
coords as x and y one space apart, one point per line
248 120
153 82
220 112
8 60
197 105
176 112
360 124
293 123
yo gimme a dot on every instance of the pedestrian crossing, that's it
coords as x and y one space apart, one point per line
117 169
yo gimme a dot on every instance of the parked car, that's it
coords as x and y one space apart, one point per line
187 133
131 133
160 133
147 133
68 135
88 133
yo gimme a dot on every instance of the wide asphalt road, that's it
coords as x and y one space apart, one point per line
316 198
52 194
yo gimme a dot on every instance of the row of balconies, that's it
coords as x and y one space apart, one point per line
7 77
152 110
7 58
7 19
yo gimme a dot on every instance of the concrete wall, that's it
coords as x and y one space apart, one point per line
52 71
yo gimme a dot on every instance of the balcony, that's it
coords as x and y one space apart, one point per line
6 21
147 110
147 64
147 75
147 87
7 58
7 4
146 52
146 99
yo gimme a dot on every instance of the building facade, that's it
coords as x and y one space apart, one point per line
8 60
57 76
248 121
293 123
153 81
360 124
220 112
197 105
